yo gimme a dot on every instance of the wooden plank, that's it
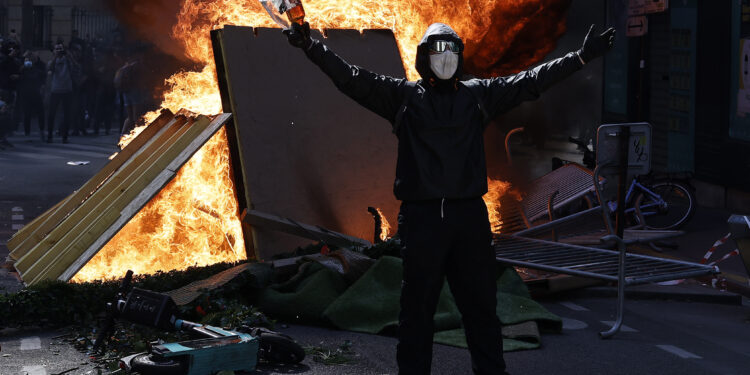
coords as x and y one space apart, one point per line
67 252
144 197
62 253
32 226
101 195
24 243
272 222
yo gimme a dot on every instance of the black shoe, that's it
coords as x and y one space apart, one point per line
4 142
65 140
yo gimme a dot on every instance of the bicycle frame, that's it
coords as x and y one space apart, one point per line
656 198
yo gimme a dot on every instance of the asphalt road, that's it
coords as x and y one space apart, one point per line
659 337
663 336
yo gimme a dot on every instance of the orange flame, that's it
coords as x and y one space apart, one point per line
493 199
385 227
194 220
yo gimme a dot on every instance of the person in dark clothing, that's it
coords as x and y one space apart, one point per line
105 96
8 78
62 69
33 76
441 177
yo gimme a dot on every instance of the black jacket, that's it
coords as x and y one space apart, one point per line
439 124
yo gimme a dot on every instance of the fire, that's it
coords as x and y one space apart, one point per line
497 190
194 220
385 227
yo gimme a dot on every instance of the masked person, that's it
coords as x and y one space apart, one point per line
441 177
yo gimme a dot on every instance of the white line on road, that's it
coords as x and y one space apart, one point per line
31 343
16 226
17 209
16 217
573 324
623 327
33 370
678 352
573 306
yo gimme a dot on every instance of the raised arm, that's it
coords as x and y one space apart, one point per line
503 93
378 93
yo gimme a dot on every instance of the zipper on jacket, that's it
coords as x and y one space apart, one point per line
442 210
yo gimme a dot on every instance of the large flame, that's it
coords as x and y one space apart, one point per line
194 220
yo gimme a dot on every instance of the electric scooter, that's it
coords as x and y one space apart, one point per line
217 349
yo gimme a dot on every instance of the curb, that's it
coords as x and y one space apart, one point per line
657 292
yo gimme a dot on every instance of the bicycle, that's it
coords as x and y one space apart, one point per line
663 202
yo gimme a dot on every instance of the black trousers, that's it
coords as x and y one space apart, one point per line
33 106
54 101
448 238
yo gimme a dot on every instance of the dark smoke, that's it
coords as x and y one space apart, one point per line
151 21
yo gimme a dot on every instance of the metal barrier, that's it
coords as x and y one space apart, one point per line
624 268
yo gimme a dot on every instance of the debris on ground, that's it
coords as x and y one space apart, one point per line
340 355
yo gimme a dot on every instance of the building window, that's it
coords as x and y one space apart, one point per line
91 25
3 20
41 27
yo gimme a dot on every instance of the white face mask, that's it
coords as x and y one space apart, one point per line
444 65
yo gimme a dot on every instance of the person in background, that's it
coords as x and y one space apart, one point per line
5 117
8 77
106 66
61 70
129 81
32 77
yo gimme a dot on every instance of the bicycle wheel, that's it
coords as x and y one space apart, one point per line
671 210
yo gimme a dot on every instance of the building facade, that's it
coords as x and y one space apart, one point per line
41 23
688 77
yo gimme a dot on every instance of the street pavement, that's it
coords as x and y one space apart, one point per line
666 332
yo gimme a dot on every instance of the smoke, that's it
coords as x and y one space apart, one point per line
150 21
521 34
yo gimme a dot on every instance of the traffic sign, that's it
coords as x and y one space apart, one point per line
656 6
637 26
639 7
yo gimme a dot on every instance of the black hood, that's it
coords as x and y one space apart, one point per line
437 31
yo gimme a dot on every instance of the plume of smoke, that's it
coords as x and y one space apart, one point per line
151 21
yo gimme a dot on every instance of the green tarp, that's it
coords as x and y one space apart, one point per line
371 305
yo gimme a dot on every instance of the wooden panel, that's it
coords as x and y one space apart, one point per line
64 253
307 151
145 195
95 204
262 220
22 242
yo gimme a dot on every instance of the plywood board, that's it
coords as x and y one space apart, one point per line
307 151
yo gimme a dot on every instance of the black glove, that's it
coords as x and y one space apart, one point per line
299 35
596 45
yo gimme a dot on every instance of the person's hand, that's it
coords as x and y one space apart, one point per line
596 45
299 35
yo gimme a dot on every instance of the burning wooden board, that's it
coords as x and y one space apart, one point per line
68 236
307 151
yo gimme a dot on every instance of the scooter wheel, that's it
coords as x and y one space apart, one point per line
146 364
278 348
